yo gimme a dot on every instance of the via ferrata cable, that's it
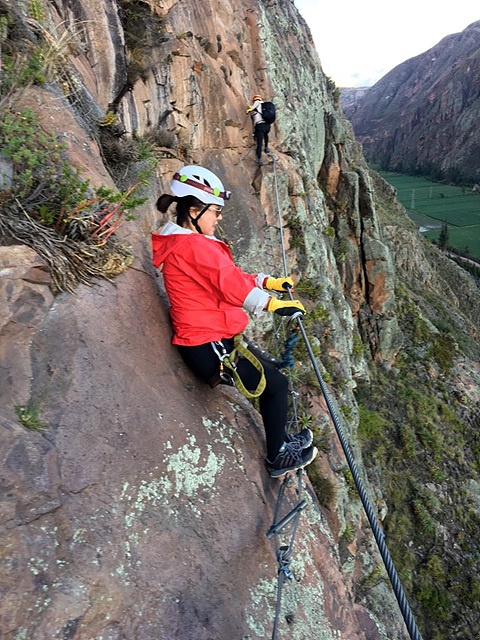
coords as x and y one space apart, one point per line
376 529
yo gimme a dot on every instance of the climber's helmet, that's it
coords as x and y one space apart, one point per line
256 97
193 180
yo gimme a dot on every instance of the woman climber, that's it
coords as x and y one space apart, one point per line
261 128
208 297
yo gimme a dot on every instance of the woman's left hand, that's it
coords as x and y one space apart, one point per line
285 307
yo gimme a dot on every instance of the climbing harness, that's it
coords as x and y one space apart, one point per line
376 529
228 366
263 354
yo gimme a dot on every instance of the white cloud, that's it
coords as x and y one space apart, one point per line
359 42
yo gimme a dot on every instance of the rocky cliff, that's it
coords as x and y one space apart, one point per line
422 116
134 500
351 98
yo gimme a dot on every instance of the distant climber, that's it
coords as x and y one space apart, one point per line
208 297
263 115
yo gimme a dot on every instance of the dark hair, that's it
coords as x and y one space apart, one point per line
182 208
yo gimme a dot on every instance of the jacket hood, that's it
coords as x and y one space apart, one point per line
171 228
164 242
170 236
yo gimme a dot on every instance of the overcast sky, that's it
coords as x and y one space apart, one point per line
360 41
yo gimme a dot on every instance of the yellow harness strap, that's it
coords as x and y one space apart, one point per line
228 360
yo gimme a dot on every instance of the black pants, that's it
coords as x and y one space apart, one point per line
262 129
204 362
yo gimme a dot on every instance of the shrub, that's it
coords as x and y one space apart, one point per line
325 489
28 415
49 207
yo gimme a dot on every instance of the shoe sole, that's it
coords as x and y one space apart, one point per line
277 473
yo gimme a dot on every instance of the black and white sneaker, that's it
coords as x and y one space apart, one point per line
290 458
303 439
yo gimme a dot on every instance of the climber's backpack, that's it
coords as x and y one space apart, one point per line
268 112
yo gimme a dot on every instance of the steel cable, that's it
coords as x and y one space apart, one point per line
376 529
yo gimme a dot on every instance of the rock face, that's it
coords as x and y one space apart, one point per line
141 510
138 510
351 97
423 114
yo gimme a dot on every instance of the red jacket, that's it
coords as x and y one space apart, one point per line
205 288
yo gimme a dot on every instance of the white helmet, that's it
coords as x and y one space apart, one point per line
193 180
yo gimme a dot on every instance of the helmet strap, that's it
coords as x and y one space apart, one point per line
195 220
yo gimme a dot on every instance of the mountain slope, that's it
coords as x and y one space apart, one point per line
423 115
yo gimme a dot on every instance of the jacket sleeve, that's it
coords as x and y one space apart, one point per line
255 302
253 110
217 272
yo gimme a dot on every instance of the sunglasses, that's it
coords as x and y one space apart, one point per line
210 207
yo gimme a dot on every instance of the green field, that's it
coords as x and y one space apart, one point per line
430 204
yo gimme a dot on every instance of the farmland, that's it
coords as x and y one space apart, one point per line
430 205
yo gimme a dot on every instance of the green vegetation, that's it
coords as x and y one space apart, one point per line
45 203
321 438
340 248
374 577
464 240
48 206
305 420
472 269
334 91
348 534
358 348
130 160
29 416
350 482
325 488
36 10
297 238
309 288
423 441
430 170
431 204
144 32
372 426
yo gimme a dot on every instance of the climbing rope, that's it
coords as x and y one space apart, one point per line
372 519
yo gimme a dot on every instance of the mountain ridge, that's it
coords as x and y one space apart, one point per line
421 116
